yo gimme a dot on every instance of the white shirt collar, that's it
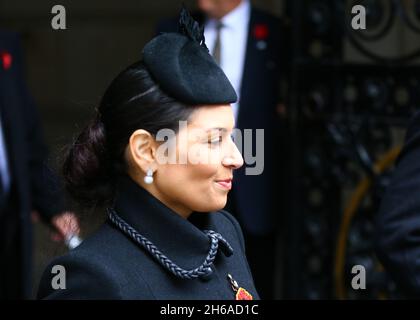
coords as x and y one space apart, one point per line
237 16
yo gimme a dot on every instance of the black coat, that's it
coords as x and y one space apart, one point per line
255 198
33 185
398 221
110 265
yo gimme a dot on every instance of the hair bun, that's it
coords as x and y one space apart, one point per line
86 169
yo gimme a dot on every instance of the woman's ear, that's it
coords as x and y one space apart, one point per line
142 149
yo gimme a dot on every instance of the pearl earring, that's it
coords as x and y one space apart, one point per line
148 179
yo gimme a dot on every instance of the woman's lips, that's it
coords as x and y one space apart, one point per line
225 184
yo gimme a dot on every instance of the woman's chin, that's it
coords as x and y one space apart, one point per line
215 205
219 204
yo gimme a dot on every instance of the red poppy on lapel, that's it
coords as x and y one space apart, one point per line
242 294
5 59
260 31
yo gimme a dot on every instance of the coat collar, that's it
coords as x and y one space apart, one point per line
181 240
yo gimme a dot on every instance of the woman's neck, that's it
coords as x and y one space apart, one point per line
179 209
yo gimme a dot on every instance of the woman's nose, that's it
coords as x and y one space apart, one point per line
234 159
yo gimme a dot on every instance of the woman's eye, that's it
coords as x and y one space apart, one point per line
215 141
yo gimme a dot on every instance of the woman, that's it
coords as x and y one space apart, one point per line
167 236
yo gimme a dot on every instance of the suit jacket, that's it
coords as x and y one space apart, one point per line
110 265
33 185
253 197
398 221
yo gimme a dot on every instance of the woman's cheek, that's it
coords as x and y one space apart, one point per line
215 156
202 173
205 172
198 154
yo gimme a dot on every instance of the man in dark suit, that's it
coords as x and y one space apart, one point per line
26 184
398 221
247 43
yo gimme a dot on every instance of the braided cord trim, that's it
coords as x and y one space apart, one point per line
204 270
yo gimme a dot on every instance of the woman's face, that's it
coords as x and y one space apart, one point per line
206 157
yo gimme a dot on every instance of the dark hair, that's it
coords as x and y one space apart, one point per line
96 157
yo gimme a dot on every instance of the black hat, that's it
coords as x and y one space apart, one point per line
182 66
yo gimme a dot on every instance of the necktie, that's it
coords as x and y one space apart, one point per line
217 50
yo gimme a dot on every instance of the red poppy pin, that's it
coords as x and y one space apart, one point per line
261 34
240 293
5 59
260 31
